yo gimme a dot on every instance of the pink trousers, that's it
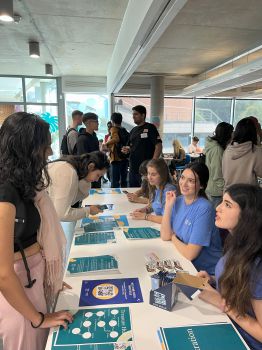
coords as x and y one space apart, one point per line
16 331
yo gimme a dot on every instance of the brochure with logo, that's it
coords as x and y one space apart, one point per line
141 233
96 329
215 336
93 191
110 291
96 238
92 264
104 222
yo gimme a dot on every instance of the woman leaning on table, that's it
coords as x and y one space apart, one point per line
189 220
159 181
31 239
71 178
238 273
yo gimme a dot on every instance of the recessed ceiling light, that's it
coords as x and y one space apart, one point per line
34 50
6 11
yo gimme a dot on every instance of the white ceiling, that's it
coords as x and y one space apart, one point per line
82 38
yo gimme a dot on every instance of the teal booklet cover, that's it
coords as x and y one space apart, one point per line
96 238
96 329
104 222
141 233
91 264
217 336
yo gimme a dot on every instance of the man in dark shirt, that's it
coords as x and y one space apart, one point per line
144 143
87 140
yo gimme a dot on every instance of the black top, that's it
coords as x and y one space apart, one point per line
87 143
143 139
32 219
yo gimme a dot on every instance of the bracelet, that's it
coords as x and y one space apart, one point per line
41 322
146 216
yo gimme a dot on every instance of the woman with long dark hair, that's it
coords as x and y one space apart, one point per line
71 178
32 242
242 159
159 182
238 273
214 149
189 220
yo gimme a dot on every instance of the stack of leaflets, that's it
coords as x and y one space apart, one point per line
102 263
141 233
96 329
95 238
104 222
214 336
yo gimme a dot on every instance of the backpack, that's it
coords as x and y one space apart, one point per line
123 141
64 145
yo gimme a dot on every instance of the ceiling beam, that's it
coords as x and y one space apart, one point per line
143 24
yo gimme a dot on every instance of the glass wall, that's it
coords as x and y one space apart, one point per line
208 113
245 108
33 95
182 119
89 103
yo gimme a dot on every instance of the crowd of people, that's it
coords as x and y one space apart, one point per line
35 195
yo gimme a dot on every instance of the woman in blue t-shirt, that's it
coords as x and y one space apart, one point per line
238 273
189 220
159 184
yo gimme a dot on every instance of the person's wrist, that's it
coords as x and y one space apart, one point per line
38 321
147 216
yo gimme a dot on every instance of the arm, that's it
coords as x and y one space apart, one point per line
10 285
62 190
138 215
72 140
166 231
258 164
189 251
158 150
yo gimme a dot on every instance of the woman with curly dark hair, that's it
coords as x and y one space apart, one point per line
239 272
31 238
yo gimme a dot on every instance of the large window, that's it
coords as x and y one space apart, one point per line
11 89
246 108
33 95
209 113
177 122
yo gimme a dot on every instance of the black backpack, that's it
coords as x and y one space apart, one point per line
123 141
64 146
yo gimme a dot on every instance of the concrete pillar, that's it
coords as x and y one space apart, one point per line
157 102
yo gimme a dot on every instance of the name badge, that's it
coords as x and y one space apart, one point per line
144 135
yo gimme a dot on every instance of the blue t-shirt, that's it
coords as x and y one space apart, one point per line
195 224
256 293
158 203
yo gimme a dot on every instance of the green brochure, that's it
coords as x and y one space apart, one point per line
96 238
96 329
91 264
141 233
215 336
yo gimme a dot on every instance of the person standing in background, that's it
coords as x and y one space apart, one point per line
214 149
72 135
242 159
87 140
119 162
144 144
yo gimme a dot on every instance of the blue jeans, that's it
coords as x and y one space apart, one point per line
119 173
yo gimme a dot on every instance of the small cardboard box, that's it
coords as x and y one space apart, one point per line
166 297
